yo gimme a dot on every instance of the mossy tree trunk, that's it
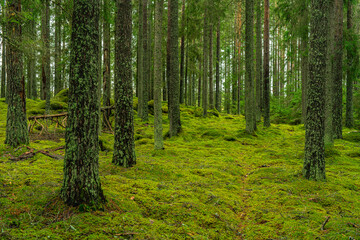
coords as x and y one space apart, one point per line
211 83
31 60
81 184
199 85
3 60
329 88
259 84
304 60
58 78
182 52
174 84
16 122
314 162
106 71
352 60
205 60
338 70
217 90
266 66
45 60
158 128
124 145
250 107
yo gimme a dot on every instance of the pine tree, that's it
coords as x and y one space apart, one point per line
124 146
58 78
266 66
173 74
3 60
314 163
217 90
81 184
158 129
205 60
45 62
259 84
249 74
16 122
106 71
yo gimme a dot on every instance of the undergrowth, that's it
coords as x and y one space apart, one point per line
213 181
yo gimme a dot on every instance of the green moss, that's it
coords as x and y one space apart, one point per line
62 96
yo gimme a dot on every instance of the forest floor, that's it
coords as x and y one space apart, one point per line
214 181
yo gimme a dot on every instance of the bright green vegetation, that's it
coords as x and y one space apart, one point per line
213 181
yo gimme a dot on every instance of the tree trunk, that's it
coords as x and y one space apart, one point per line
314 163
58 78
217 91
107 57
3 68
182 52
158 128
124 145
338 70
351 68
211 84
45 63
304 62
199 85
259 89
174 84
249 64
81 183
205 60
16 122
266 66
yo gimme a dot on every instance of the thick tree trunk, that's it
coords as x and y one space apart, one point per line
250 108
338 70
266 66
304 63
314 162
124 145
158 128
107 57
174 84
16 122
81 183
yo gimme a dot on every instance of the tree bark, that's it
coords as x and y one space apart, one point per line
174 84
249 65
351 68
81 184
158 128
259 84
182 52
205 61
45 63
211 84
266 66
338 70
217 90
124 145
314 162
58 78
16 122
107 57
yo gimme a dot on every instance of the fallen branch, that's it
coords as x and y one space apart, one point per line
54 156
32 153
353 225
325 222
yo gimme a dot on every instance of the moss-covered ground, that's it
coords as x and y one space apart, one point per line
213 181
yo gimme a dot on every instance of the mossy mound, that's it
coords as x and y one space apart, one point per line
62 96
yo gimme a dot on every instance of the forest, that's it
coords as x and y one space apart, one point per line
180 119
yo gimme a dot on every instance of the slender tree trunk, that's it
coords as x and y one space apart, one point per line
182 52
314 162
304 63
217 91
174 84
329 82
206 60
145 76
81 183
211 84
45 64
199 85
140 61
249 74
16 122
351 68
266 66
58 78
107 57
259 89
31 64
158 128
124 145
3 68
338 70
186 73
